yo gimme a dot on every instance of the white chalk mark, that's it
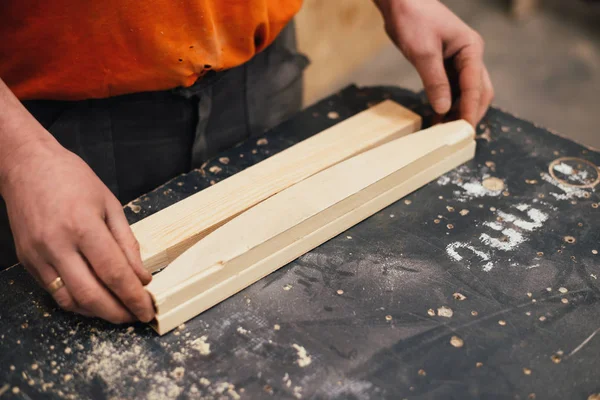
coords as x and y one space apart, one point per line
513 240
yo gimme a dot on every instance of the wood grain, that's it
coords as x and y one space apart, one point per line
168 233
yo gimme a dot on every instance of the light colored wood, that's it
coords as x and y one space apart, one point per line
338 37
168 233
301 217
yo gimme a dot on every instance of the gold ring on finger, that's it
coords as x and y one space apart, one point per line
55 285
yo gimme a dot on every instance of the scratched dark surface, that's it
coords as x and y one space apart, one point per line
376 339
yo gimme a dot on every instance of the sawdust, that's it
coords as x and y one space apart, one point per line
445 312
459 296
304 359
457 342
201 346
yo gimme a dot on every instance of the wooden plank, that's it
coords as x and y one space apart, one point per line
301 217
168 233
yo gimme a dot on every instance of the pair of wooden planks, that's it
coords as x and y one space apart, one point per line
168 233
299 214
301 217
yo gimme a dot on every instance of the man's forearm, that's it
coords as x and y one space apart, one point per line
20 133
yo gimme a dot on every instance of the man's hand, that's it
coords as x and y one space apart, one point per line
67 224
446 53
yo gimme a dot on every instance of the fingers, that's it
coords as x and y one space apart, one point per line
86 291
469 64
435 81
119 227
112 268
487 93
45 274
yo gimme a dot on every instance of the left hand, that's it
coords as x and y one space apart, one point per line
430 35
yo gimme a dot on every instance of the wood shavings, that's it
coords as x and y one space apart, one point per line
333 115
450 208
457 342
201 346
340 292
478 364
450 226
407 202
569 239
464 212
303 358
556 359
224 160
431 312
563 290
542 318
16 390
134 207
594 251
204 381
67 377
422 372
287 287
564 300
262 142
494 184
242 331
502 322
445 312
68 350
215 169
459 296
276 327
178 373
388 317
531 181
474 313
594 396
527 371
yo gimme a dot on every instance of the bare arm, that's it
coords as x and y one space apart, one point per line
446 52
66 223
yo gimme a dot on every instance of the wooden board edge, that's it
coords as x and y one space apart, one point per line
198 304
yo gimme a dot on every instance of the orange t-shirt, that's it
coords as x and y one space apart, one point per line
80 49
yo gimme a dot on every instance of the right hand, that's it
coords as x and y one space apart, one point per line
67 223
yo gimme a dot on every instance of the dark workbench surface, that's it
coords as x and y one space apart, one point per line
358 316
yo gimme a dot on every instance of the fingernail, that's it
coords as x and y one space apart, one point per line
442 105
